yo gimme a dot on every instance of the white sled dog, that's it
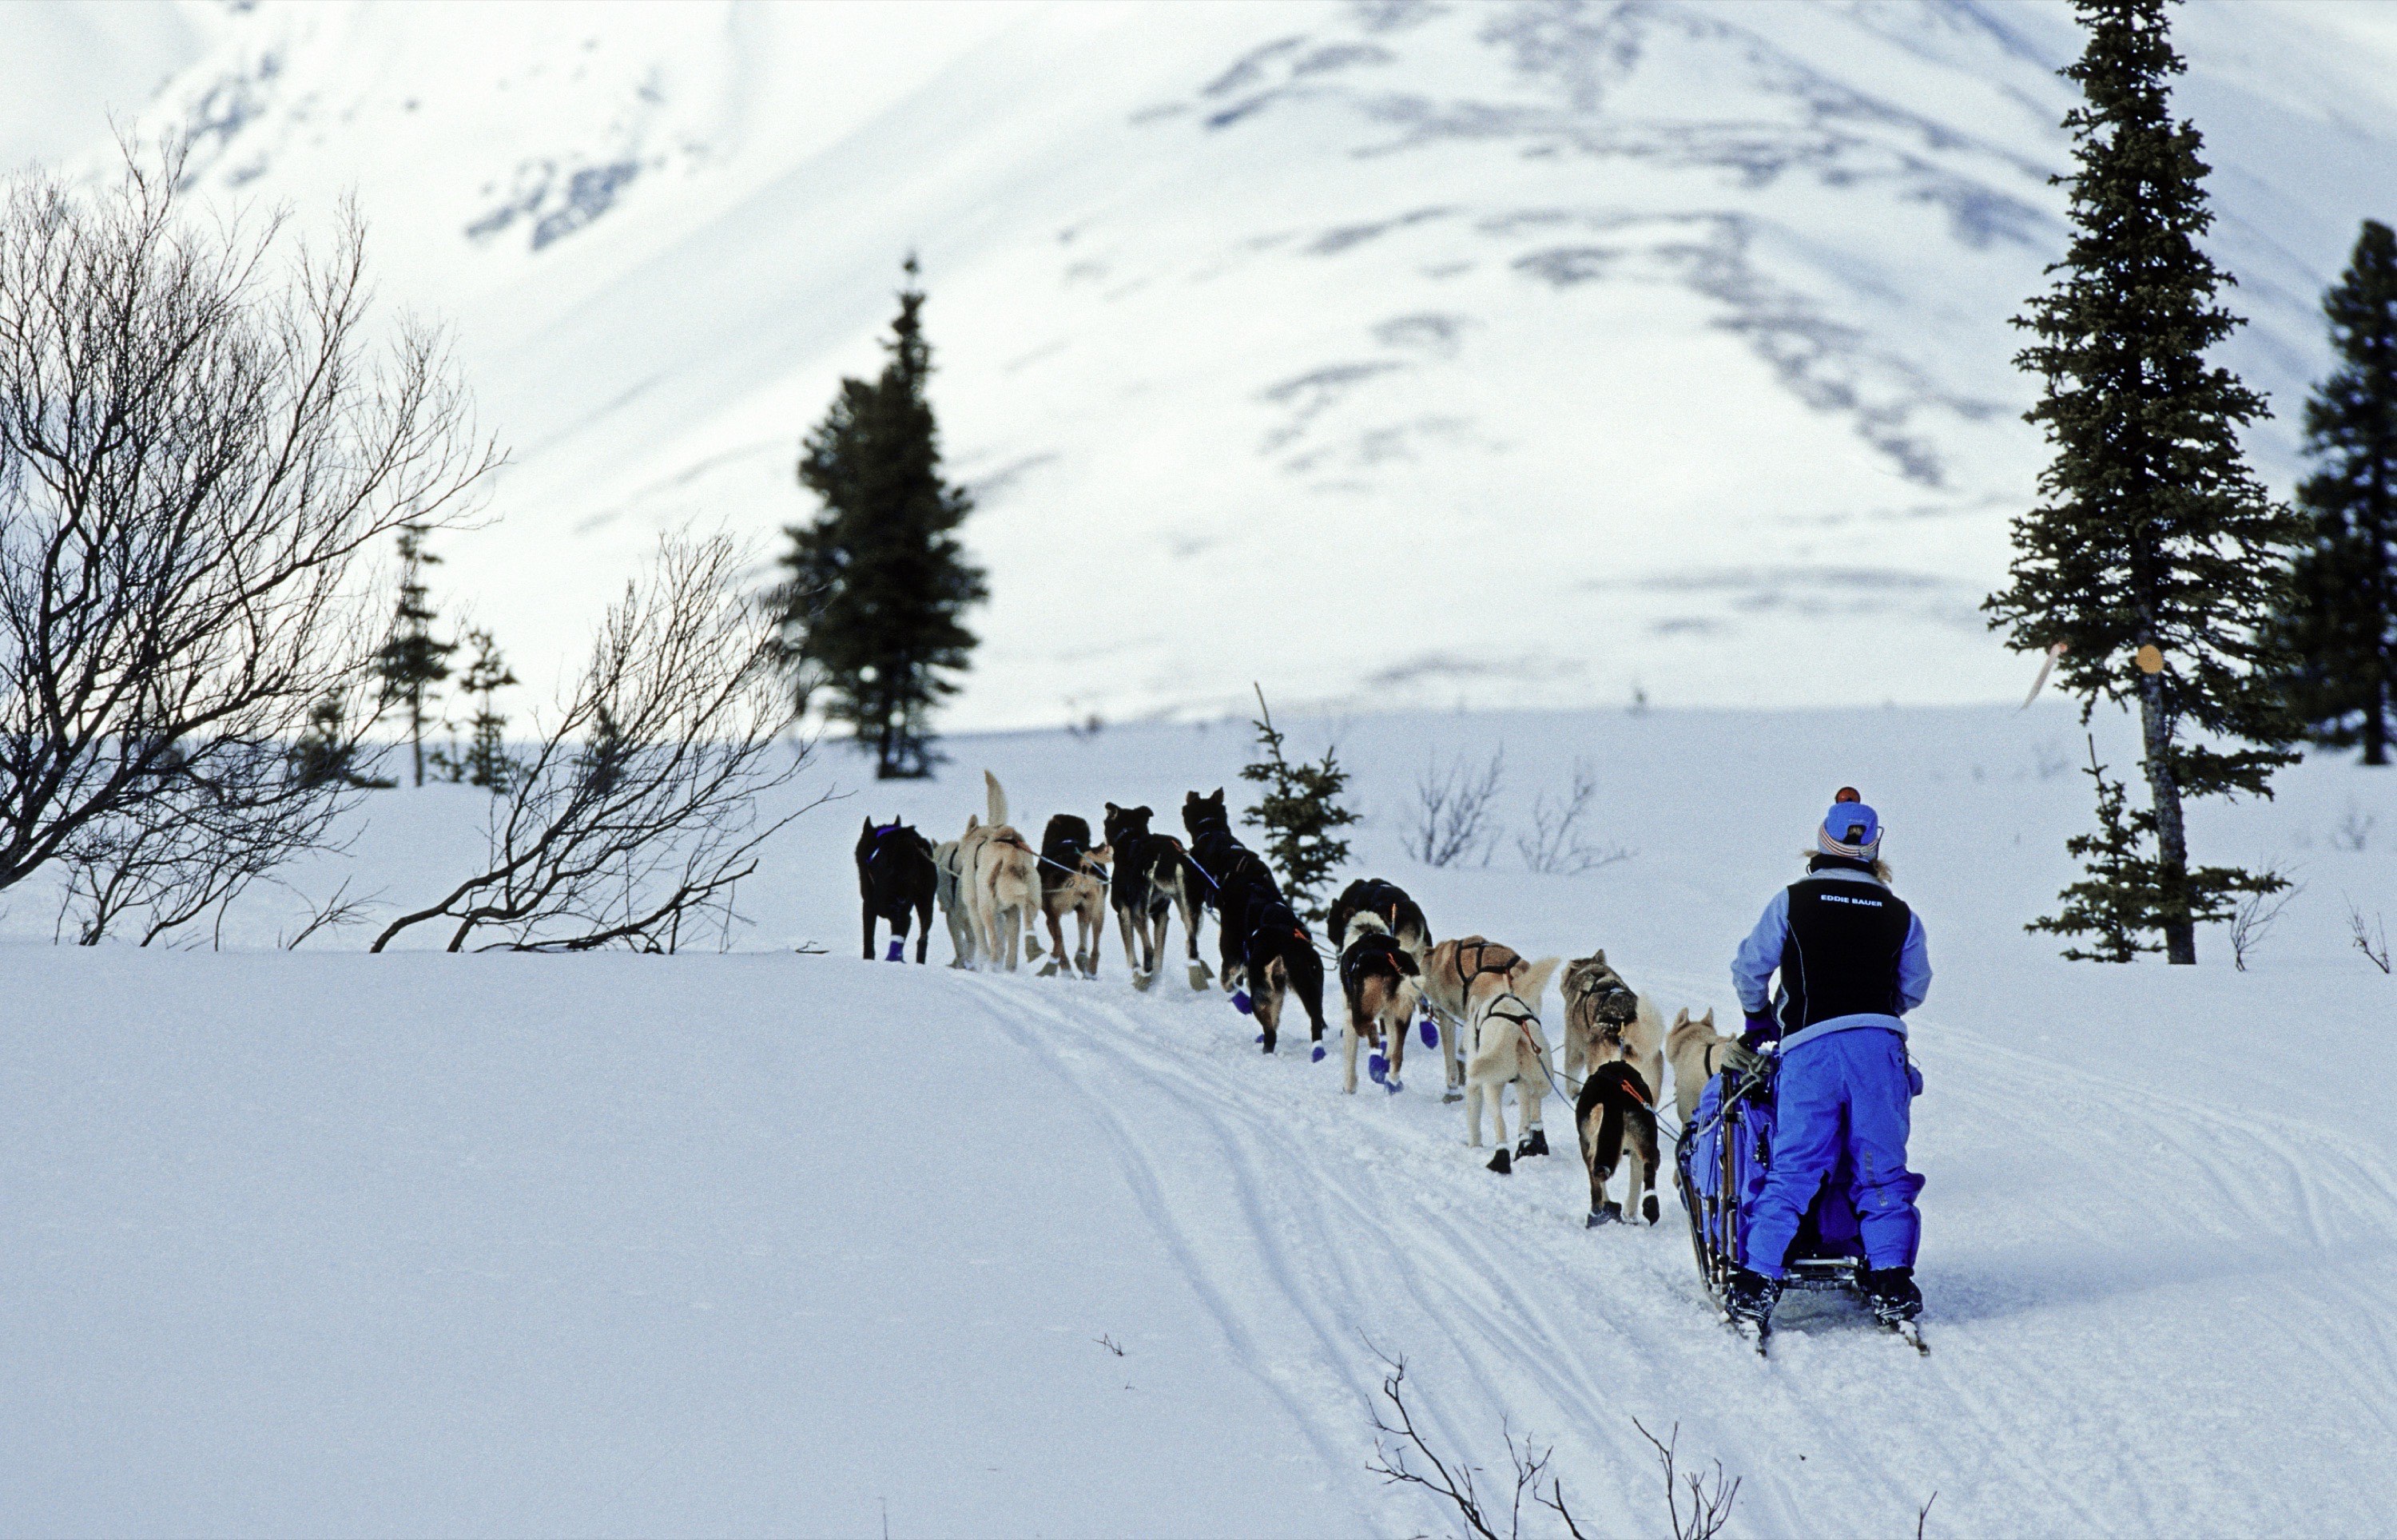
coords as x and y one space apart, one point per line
1001 877
1455 974
1605 1021
1509 1049
950 890
1696 1050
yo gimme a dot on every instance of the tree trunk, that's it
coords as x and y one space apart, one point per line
2172 838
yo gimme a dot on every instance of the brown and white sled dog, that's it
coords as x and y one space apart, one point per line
1073 881
1696 1050
951 893
1605 1021
1377 979
1455 974
1001 876
1509 1049
1616 1116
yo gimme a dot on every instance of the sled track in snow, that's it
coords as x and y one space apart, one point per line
1314 1224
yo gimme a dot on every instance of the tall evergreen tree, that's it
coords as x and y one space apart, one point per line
2342 623
876 583
2152 532
413 662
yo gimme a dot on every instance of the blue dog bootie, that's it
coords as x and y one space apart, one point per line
898 951
1431 1032
1241 1001
1317 1056
1378 1066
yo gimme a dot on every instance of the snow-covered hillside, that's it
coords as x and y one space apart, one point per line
1395 351
762 1244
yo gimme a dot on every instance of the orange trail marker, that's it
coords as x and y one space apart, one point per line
2151 658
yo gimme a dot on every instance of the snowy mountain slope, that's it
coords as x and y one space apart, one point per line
476 1244
1670 338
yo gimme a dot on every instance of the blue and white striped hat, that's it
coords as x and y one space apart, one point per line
1849 829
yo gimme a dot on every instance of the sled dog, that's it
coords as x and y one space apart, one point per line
1604 1020
1696 1050
895 878
1377 980
1073 881
1456 972
1279 959
1509 1049
1002 878
1386 902
1616 1116
954 907
1153 878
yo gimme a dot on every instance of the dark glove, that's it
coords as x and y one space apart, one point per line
1759 1028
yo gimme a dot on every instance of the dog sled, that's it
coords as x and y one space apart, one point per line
1720 1164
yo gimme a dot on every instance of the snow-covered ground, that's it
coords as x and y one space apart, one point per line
1675 333
319 1243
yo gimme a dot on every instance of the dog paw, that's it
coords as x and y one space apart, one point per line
1199 976
898 953
1392 1085
1535 1143
1648 1208
1501 1163
1606 1215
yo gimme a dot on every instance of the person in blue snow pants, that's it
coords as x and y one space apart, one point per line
1853 962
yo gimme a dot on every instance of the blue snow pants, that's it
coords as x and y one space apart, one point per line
1847 1094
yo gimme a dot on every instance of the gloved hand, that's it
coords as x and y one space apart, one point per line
1760 1028
1740 1059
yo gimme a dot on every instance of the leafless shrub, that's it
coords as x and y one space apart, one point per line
1922 1515
2354 830
1555 843
637 810
197 441
334 913
1453 818
2371 937
2251 918
1710 1494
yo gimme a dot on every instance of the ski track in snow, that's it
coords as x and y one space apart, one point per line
1315 1225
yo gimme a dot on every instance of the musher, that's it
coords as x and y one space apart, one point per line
1852 962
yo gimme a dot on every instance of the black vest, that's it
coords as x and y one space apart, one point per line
1841 958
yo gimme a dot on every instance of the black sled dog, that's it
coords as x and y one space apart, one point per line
896 876
1616 1114
1152 878
1267 949
1387 902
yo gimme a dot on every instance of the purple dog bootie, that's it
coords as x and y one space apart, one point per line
1317 1056
1241 1001
1431 1032
898 951
1378 1066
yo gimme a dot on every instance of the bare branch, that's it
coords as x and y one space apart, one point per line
1454 819
1555 843
2251 918
2371 938
637 811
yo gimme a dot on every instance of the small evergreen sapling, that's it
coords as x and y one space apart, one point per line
487 763
1299 811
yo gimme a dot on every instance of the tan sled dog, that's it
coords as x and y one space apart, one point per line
1084 895
949 890
1001 876
1509 1049
1604 1021
1455 974
1696 1050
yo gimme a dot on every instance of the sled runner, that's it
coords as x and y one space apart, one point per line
1720 1163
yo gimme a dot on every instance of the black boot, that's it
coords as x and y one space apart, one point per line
1748 1299
1890 1294
1535 1143
1501 1164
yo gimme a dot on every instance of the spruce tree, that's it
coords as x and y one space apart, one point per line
413 663
1299 811
876 583
487 763
2342 624
2152 532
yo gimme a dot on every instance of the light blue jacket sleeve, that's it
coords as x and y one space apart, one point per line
1913 968
1751 968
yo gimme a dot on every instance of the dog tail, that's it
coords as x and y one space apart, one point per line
997 795
1535 983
